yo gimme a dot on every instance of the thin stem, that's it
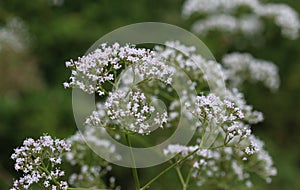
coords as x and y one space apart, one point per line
103 90
187 181
134 170
113 84
167 96
167 169
180 176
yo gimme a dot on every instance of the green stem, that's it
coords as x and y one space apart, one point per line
180 177
187 181
167 169
184 183
167 96
105 91
113 84
134 170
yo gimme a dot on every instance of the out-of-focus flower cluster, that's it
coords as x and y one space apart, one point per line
39 161
224 164
18 68
56 2
247 25
242 66
237 97
225 15
14 35
223 134
235 68
91 168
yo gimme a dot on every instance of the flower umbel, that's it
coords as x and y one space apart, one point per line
91 72
92 168
39 161
284 16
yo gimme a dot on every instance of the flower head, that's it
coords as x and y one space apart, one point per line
39 161
91 72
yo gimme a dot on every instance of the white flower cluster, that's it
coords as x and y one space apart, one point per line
242 66
224 164
212 108
221 116
264 159
248 24
237 97
255 154
39 160
179 54
285 17
56 2
14 35
90 72
98 118
205 6
176 45
92 168
130 110
194 64
222 111
174 149
213 73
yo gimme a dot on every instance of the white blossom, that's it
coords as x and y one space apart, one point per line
212 108
194 64
90 72
239 66
248 24
238 170
132 111
91 167
207 6
14 35
32 159
224 118
207 164
56 2
285 17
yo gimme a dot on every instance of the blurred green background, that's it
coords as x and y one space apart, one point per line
33 100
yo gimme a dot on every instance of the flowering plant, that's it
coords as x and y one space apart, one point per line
142 95
222 132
